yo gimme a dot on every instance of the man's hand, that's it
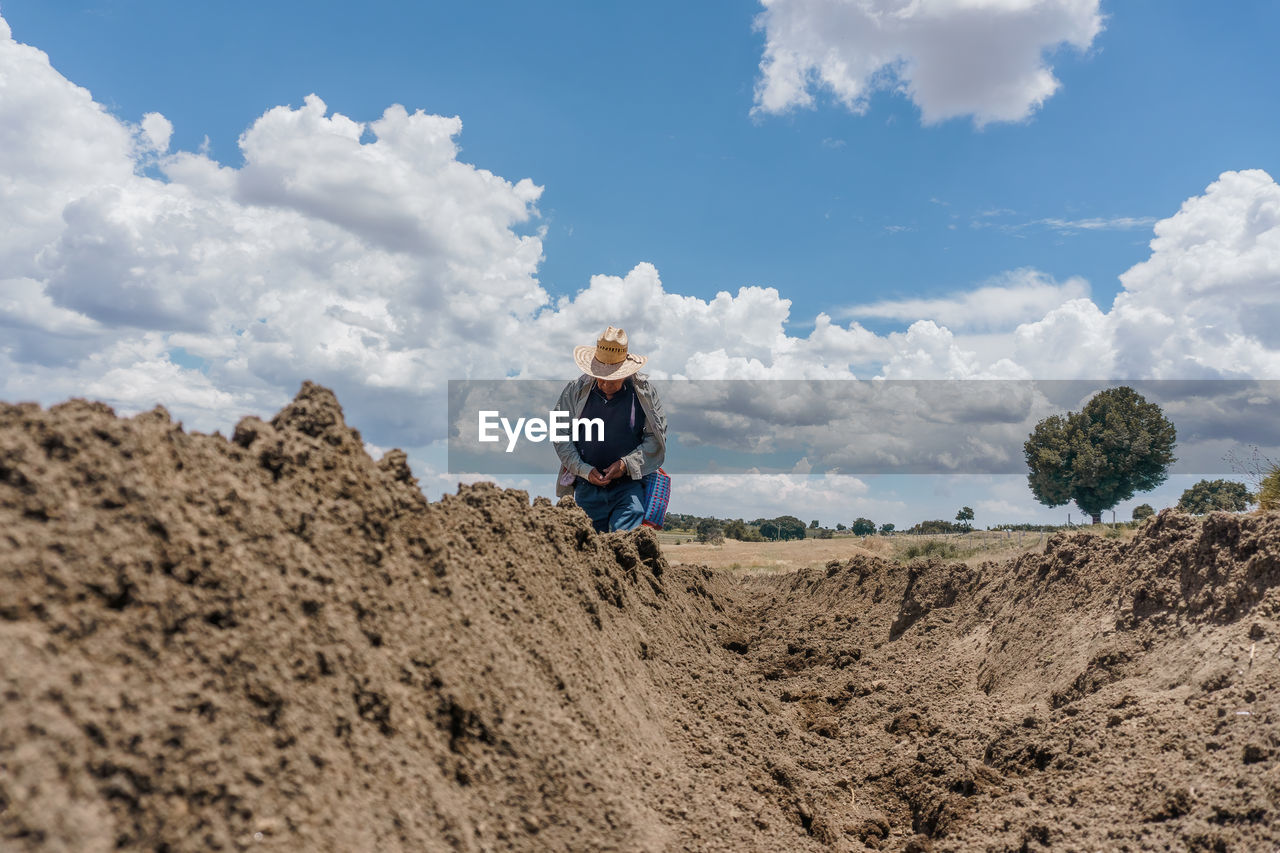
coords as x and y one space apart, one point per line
595 478
616 470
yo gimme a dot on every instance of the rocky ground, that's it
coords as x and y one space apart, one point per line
274 642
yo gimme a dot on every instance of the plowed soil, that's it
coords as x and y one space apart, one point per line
274 642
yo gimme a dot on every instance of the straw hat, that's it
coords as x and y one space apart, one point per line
609 358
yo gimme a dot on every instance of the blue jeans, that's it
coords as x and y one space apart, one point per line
616 507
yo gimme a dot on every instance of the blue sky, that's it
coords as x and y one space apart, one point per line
645 128
636 118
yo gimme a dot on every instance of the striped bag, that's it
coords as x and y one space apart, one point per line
657 491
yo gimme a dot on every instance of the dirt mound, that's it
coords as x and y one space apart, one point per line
212 644
273 641
1097 696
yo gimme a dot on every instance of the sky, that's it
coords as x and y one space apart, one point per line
202 205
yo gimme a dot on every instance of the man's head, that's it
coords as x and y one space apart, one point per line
609 359
610 386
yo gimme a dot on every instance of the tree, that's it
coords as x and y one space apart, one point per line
1141 512
709 530
782 527
1209 495
789 527
841 527
964 516
813 525
1116 446
887 527
863 527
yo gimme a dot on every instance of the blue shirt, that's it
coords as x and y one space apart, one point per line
624 421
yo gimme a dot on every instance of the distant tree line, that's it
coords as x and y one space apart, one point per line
1205 496
1028 528
785 527
782 528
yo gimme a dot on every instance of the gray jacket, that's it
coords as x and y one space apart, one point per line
645 459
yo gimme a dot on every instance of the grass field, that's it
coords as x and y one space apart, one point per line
978 546
767 556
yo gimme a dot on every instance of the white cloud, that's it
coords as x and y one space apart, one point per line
1210 284
979 58
370 265
1098 223
731 336
1073 341
1066 227
45 170
156 130
1017 297
1202 305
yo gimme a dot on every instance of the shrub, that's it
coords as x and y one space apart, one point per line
1269 491
709 530
931 548
937 526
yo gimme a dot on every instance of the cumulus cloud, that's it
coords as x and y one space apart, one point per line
981 58
1201 306
1205 301
365 256
731 336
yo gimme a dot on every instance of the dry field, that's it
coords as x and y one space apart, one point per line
770 557
773 556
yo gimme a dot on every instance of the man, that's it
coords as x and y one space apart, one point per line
604 473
